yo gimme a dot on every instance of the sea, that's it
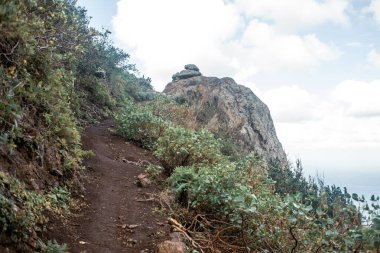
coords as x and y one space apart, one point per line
362 182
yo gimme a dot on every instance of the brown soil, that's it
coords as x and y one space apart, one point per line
112 201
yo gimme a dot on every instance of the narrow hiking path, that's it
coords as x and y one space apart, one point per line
116 216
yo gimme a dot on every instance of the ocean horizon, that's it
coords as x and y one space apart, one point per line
362 182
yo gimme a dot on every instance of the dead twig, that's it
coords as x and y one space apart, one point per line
145 200
183 231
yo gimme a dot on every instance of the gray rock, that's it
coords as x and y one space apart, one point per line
143 181
171 247
232 110
184 74
191 67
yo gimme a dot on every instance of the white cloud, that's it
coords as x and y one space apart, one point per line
211 34
271 49
359 99
292 104
347 117
374 8
354 44
374 58
295 14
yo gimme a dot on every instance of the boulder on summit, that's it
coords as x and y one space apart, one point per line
190 70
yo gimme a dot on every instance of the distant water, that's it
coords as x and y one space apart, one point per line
365 183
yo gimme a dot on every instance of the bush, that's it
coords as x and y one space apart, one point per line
154 171
20 212
53 247
220 189
140 126
181 147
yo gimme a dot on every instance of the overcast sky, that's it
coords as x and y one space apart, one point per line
315 63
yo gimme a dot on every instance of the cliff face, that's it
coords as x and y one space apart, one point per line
224 107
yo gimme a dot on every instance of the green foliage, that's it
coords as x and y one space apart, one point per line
290 180
223 188
20 211
58 199
53 247
231 149
181 147
140 125
239 198
154 170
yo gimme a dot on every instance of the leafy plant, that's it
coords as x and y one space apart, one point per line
154 170
58 199
181 147
140 126
53 247
20 212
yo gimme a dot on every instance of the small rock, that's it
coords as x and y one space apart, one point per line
132 226
143 181
171 247
132 241
141 176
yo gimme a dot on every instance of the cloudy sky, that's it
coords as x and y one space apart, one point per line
315 63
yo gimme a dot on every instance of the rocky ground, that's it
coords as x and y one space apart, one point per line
116 215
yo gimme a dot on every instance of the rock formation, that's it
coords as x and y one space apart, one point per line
231 110
190 71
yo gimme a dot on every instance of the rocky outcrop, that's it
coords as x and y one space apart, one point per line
190 71
224 107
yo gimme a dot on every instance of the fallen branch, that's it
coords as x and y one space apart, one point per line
183 231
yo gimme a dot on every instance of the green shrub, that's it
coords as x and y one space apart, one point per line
140 126
181 147
154 170
53 247
20 212
58 199
222 188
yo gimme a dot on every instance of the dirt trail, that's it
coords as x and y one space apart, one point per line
112 200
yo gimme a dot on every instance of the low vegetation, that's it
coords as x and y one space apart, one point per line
228 203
